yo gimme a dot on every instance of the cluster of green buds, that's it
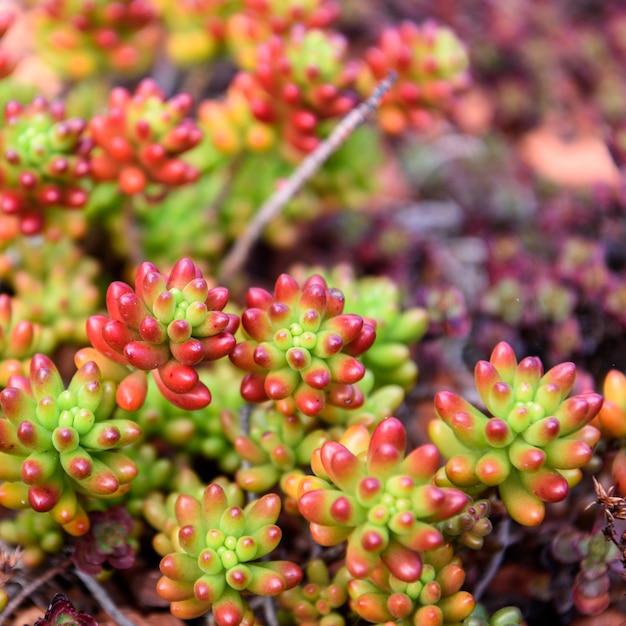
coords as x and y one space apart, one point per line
532 448
44 162
83 38
302 348
195 29
435 598
384 503
139 140
431 64
58 443
297 82
37 534
167 325
318 601
217 557
274 444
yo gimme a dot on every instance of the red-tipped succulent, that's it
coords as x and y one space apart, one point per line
384 503
532 448
301 348
167 325
43 162
58 445
431 64
140 139
217 557
299 81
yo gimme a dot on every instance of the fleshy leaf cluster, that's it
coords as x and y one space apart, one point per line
532 448
218 548
384 503
301 348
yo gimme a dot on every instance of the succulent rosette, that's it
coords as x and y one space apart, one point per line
59 443
62 611
167 325
109 542
217 557
532 448
384 503
43 162
434 599
82 39
275 444
140 139
470 527
431 64
298 81
301 348
318 601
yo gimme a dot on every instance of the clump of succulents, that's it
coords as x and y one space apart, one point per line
301 348
81 39
533 446
431 63
384 503
435 597
140 139
218 556
44 162
597 557
166 325
470 526
60 444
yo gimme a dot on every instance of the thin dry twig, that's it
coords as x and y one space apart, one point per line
16 601
275 203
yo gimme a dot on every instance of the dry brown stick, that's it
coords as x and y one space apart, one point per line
16 601
276 202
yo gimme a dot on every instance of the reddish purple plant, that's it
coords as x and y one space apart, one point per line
62 611
106 542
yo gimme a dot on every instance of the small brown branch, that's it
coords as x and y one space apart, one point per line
276 202
16 601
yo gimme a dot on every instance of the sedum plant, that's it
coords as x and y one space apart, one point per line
533 445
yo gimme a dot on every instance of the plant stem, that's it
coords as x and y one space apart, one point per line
15 602
104 600
277 201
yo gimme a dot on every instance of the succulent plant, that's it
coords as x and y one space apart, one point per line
506 616
62 611
431 63
140 139
217 557
37 534
319 600
58 444
81 39
301 348
274 444
596 556
299 80
167 325
43 163
532 448
434 598
366 491
470 526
